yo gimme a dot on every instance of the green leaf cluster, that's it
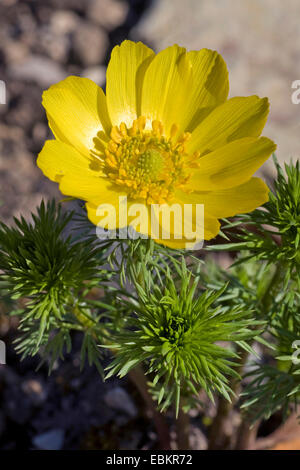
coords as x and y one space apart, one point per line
173 331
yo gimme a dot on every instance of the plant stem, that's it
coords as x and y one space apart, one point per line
218 439
183 430
246 435
137 376
217 434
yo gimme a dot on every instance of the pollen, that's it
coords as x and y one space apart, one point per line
151 163
146 162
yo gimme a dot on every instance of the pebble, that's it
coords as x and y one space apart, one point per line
96 73
38 69
198 440
90 44
51 440
64 21
35 391
118 399
107 13
54 45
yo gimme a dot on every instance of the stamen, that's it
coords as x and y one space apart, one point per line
147 163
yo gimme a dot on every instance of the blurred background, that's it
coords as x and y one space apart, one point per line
42 42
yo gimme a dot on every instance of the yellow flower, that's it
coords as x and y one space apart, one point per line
164 133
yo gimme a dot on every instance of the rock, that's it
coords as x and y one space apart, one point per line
15 51
90 44
107 13
54 45
77 5
26 110
39 133
17 406
118 399
198 440
25 188
96 73
35 391
51 440
64 22
131 440
37 69
122 420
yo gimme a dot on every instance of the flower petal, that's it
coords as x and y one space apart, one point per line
166 87
236 118
185 223
163 230
90 188
57 159
125 74
76 110
209 88
125 213
229 202
232 164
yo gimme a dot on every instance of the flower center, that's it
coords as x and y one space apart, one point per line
150 163
146 163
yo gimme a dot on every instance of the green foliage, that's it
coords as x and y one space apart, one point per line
173 331
257 285
272 232
37 259
277 385
54 273
269 390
